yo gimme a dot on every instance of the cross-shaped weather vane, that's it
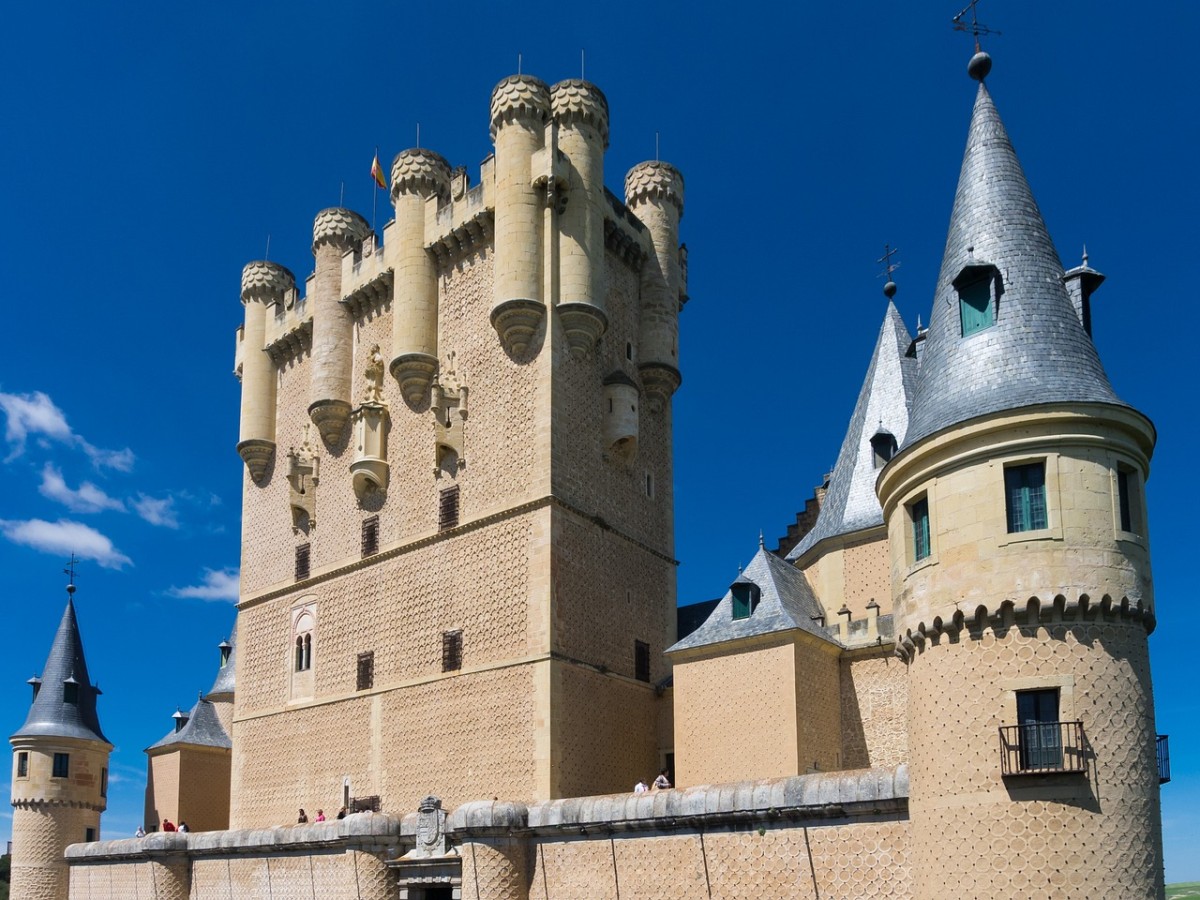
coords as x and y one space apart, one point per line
70 571
975 27
889 288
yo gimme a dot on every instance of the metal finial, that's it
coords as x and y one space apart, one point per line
1085 254
981 63
70 571
760 539
889 288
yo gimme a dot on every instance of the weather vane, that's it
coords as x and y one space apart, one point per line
889 288
70 571
974 26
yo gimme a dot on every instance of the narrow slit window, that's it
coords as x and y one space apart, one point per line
452 647
370 536
1025 497
641 661
1128 500
23 764
302 556
919 514
366 671
62 766
448 508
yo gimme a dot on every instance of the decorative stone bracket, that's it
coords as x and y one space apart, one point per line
303 474
448 404
369 470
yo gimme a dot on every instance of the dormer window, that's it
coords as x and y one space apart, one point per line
226 648
71 690
36 684
978 286
745 598
180 720
883 447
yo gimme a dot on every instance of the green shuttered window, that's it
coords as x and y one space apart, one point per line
975 306
1025 497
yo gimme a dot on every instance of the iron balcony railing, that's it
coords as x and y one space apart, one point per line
1164 759
1041 748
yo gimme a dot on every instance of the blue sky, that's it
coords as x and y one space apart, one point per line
150 150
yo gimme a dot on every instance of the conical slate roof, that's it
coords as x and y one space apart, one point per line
850 502
786 602
224 683
52 714
203 728
1036 351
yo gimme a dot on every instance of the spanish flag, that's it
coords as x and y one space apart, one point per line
377 172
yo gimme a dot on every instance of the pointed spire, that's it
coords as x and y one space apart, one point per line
879 422
1024 344
65 705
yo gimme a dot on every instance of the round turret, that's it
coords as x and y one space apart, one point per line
340 227
577 102
581 112
263 284
654 193
520 108
420 172
519 97
266 282
335 231
654 181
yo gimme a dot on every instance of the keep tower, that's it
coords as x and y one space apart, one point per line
60 768
458 572
1020 568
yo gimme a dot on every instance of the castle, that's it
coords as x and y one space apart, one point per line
458 617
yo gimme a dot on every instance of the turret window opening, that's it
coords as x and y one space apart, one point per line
641 661
745 599
89 835
23 764
366 671
1040 740
1025 497
918 513
71 690
883 448
452 647
1129 500
104 782
370 536
976 303
62 766
302 560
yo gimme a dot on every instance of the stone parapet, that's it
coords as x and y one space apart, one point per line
654 181
343 228
519 97
421 172
577 102
266 282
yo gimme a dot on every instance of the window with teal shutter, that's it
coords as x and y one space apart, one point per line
1025 497
919 512
745 599
975 306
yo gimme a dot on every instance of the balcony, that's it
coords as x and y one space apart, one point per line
1042 748
1164 758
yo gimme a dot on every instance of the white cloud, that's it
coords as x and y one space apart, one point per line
86 499
156 511
63 537
36 414
218 585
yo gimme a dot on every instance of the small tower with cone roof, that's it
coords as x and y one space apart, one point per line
1020 569
60 768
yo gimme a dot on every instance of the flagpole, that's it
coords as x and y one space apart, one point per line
374 197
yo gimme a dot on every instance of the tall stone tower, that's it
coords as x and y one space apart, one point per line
1020 568
458 570
60 768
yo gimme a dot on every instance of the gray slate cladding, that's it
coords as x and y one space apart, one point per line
786 603
1037 351
51 715
850 503
202 729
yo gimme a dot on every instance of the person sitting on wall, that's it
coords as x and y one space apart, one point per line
342 813
303 817
662 782
641 787
141 832
320 816
168 825
183 827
